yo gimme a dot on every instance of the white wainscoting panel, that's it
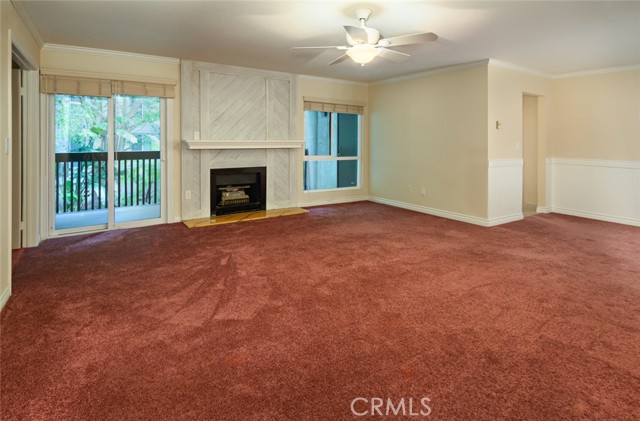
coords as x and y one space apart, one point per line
597 189
505 191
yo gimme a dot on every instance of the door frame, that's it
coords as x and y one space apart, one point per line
30 134
48 165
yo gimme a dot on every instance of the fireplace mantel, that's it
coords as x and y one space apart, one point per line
243 144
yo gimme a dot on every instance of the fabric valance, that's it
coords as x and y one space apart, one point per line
333 108
70 85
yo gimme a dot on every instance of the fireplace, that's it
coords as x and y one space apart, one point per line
236 190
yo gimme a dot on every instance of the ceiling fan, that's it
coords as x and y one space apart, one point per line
366 43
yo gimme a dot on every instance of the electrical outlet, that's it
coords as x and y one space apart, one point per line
409 188
187 195
423 191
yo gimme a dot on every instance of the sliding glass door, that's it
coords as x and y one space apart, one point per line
107 166
80 161
137 158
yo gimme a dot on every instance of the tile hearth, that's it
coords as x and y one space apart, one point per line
241 217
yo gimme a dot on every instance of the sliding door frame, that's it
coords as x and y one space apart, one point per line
48 165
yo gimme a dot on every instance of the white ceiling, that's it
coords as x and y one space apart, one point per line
554 37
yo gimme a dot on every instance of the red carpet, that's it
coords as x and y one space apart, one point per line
15 256
295 317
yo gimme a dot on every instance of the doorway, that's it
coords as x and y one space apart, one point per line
529 154
17 186
25 151
24 156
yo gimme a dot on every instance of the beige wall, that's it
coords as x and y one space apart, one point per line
340 92
12 31
506 89
124 66
597 117
431 132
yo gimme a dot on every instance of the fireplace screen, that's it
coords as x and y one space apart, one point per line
236 190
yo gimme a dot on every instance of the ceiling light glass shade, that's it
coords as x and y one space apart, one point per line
363 53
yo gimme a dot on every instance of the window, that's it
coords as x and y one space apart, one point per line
332 148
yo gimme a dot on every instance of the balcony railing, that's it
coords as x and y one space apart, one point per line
81 180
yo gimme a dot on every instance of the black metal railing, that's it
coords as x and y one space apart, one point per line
81 180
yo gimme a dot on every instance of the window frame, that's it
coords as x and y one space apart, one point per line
333 147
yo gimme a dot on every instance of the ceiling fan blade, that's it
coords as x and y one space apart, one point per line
339 59
393 55
338 47
408 39
357 34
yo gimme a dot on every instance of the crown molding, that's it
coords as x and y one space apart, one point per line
331 80
596 72
28 22
434 71
516 68
70 49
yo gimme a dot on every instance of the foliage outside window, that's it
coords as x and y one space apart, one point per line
81 123
81 129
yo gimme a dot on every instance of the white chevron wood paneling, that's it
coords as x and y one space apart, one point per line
194 107
278 109
235 156
230 103
236 107
194 176
279 176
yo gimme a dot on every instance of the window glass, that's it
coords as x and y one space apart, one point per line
81 170
317 133
332 142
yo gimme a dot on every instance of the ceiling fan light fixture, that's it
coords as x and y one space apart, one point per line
363 53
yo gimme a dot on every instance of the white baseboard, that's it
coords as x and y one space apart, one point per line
6 294
597 216
445 214
505 219
543 209
333 201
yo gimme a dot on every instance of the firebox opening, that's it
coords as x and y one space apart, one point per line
236 190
